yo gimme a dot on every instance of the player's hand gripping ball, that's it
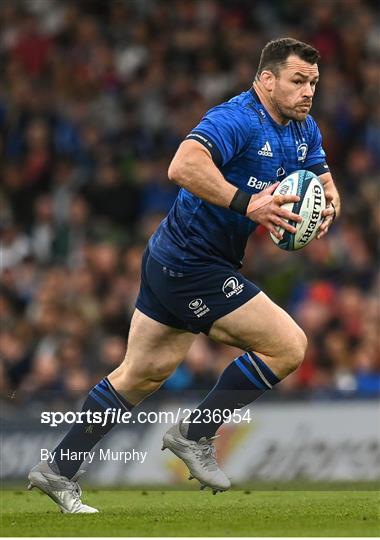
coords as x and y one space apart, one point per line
308 187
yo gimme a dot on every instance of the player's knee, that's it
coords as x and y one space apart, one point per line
159 374
146 386
146 378
295 349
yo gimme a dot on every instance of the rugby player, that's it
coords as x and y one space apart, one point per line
228 168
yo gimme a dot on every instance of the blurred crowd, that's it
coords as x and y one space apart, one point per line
95 97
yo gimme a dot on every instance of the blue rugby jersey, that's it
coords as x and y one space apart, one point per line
252 151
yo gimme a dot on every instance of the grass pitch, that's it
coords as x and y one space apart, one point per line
194 513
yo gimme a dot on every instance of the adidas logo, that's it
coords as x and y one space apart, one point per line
266 150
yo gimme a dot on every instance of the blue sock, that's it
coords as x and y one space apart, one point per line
241 383
82 437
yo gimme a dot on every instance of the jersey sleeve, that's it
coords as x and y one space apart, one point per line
225 131
316 157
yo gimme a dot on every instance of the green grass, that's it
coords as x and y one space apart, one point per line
194 513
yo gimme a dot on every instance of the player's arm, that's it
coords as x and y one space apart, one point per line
316 163
194 169
332 210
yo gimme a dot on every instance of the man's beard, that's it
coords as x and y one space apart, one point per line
295 114
300 116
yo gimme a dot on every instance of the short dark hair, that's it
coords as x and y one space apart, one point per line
276 52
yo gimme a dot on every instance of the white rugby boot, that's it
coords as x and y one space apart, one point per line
200 457
66 493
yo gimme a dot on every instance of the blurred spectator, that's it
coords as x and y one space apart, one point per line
15 245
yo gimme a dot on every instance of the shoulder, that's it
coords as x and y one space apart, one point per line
239 109
228 126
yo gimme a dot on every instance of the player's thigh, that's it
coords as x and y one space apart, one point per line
154 349
262 326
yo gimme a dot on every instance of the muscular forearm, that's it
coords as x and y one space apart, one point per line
331 192
332 209
192 168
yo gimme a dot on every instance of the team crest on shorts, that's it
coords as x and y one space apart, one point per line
232 286
196 303
198 307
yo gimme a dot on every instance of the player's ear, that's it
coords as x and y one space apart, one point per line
267 78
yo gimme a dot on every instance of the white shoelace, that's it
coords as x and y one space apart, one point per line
75 492
206 454
61 484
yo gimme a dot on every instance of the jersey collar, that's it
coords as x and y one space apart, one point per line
255 96
263 112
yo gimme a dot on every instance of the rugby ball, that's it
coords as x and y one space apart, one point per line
306 185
